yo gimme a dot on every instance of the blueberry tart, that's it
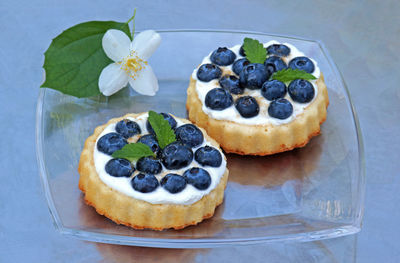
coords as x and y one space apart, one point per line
177 184
248 109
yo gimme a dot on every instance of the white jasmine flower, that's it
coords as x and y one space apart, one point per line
130 62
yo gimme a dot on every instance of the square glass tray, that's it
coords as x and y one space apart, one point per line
311 193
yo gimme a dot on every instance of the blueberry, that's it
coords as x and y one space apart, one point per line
151 141
127 128
231 84
279 50
280 109
176 156
247 106
173 183
189 135
169 118
273 89
223 56
218 99
241 51
253 76
274 64
302 63
144 183
111 142
119 167
208 72
208 155
239 64
198 177
301 90
149 165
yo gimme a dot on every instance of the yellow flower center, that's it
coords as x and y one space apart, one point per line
132 64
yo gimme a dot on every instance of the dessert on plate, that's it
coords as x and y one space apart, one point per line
258 99
152 171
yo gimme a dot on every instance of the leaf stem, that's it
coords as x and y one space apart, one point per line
133 26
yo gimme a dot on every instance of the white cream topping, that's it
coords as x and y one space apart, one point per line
188 196
263 117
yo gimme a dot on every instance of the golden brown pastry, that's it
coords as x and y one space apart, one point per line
180 187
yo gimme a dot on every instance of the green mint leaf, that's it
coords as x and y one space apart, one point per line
134 151
289 74
165 134
254 50
75 58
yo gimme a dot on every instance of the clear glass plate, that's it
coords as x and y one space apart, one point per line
306 194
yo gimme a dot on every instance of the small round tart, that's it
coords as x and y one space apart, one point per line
247 112
179 187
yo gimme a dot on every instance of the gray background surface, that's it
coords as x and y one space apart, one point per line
363 38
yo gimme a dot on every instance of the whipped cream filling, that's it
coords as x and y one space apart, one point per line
188 196
263 118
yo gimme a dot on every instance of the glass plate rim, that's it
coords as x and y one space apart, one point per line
207 242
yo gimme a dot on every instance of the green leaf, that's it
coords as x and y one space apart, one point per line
165 134
75 58
289 74
133 23
254 50
134 151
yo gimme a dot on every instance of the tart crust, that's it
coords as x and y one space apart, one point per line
261 139
139 214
